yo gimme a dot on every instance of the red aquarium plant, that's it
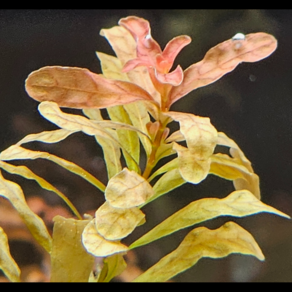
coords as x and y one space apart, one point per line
137 88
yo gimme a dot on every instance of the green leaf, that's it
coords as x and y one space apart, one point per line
34 223
69 260
15 152
238 204
199 243
164 168
115 223
127 189
97 244
128 139
28 174
115 265
7 263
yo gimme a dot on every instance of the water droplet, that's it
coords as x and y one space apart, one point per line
239 37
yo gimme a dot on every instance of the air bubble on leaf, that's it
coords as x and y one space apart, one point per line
238 37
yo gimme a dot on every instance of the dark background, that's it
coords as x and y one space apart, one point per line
252 105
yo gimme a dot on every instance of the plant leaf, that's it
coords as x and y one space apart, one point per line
28 174
238 204
7 263
98 245
115 266
34 223
115 223
124 46
201 138
229 168
79 88
17 152
251 181
47 136
69 260
222 59
199 243
127 189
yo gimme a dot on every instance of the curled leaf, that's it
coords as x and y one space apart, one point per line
199 243
7 263
98 245
127 189
222 59
115 223
79 88
237 204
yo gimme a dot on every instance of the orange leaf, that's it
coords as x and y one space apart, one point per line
222 59
79 88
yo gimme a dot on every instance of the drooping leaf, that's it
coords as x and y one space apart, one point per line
69 260
222 59
199 243
28 174
79 88
127 189
15 152
98 245
238 204
229 168
34 223
7 263
116 223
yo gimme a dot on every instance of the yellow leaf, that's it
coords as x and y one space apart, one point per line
69 260
127 189
17 152
7 263
115 265
34 223
251 180
222 59
192 168
28 174
233 169
47 136
98 245
199 243
79 88
238 204
201 139
115 223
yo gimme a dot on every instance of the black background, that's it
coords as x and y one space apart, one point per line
252 105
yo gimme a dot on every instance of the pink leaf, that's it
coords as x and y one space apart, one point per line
79 88
222 59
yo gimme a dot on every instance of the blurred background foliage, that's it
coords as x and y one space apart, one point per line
252 105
